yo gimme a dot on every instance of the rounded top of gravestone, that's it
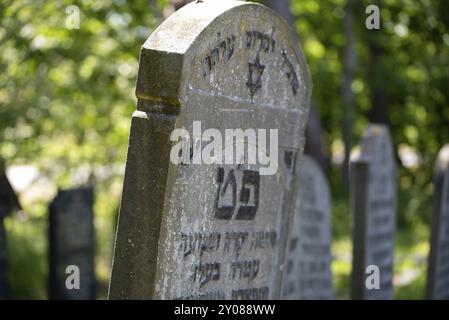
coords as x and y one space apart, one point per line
443 159
234 49
311 168
68 197
314 181
376 146
310 162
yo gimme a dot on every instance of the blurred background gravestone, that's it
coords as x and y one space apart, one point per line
8 203
438 265
373 200
211 231
309 274
71 243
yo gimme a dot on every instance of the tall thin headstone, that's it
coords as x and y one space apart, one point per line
4 283
309 274
8 203
200 229
373 201
438 266
71 244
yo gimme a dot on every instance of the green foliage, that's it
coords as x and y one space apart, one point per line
66 97
412 71
27 252
409 266
67 94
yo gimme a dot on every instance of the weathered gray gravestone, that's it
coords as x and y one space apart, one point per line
71 243
308 274
438 267
211 231
8 203
373 201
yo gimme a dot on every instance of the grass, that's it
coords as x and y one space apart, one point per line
27 244
409 269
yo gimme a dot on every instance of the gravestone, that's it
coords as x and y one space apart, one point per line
4 283
71 243
438 266
308 274
373 201
193 229
8 203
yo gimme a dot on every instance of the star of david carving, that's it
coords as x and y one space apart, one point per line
255 70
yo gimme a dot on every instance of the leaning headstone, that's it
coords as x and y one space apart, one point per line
438 267
373 201
308 274
191 225
8 203
71 244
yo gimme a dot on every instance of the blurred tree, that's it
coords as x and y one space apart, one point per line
175 5
349 69
66 99
67 94
8 198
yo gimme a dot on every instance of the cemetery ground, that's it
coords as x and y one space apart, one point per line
411 243
27 247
